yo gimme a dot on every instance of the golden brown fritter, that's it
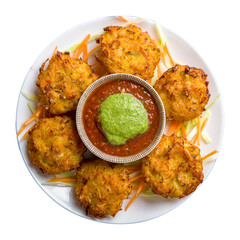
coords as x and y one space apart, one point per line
128 50
63 82
184 92
102 186
54 145
174 168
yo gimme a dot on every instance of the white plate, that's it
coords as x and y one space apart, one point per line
144 208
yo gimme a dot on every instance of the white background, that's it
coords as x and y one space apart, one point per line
211 27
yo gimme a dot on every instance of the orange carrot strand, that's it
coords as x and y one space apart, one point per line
95 64
136 186
85 51
55 51
177 128
169 55
209 154
133 169
90 52
65 180
77 52
199 131
140 189
123 19
136 177
197 139
79 48
27 133
149 81
35 115
172 128
203 125
183 130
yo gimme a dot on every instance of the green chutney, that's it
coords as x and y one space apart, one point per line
122 117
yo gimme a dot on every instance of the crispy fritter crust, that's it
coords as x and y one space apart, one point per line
102 186
54 145
174 168
184 92
63 82
128 50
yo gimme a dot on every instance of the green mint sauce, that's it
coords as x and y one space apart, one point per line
122 117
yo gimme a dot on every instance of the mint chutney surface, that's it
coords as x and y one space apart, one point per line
122 117
92 124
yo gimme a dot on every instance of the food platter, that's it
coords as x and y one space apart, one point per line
145 207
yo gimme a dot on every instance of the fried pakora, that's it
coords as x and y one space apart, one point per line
63 82
102 186
128 50
174 168
54 145
184 92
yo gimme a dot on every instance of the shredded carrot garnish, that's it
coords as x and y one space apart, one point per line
199 131
133 169
35 115
87 56
169 55
177 128
79 48
197 139
173 125
174 128
95 64
140 189
27 133
136 177
136 186
85 51
65 180
77 52
209 154
55 51
122 18
183 130
203 125
149 81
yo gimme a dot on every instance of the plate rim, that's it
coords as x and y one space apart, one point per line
199 56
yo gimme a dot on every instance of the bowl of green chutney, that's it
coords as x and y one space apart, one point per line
120 118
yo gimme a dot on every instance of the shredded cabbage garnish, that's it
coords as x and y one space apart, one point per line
66 174
95 36
72 48
205 137
31 107
59 184
29 96
211 104
191 126
155 77
162 45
